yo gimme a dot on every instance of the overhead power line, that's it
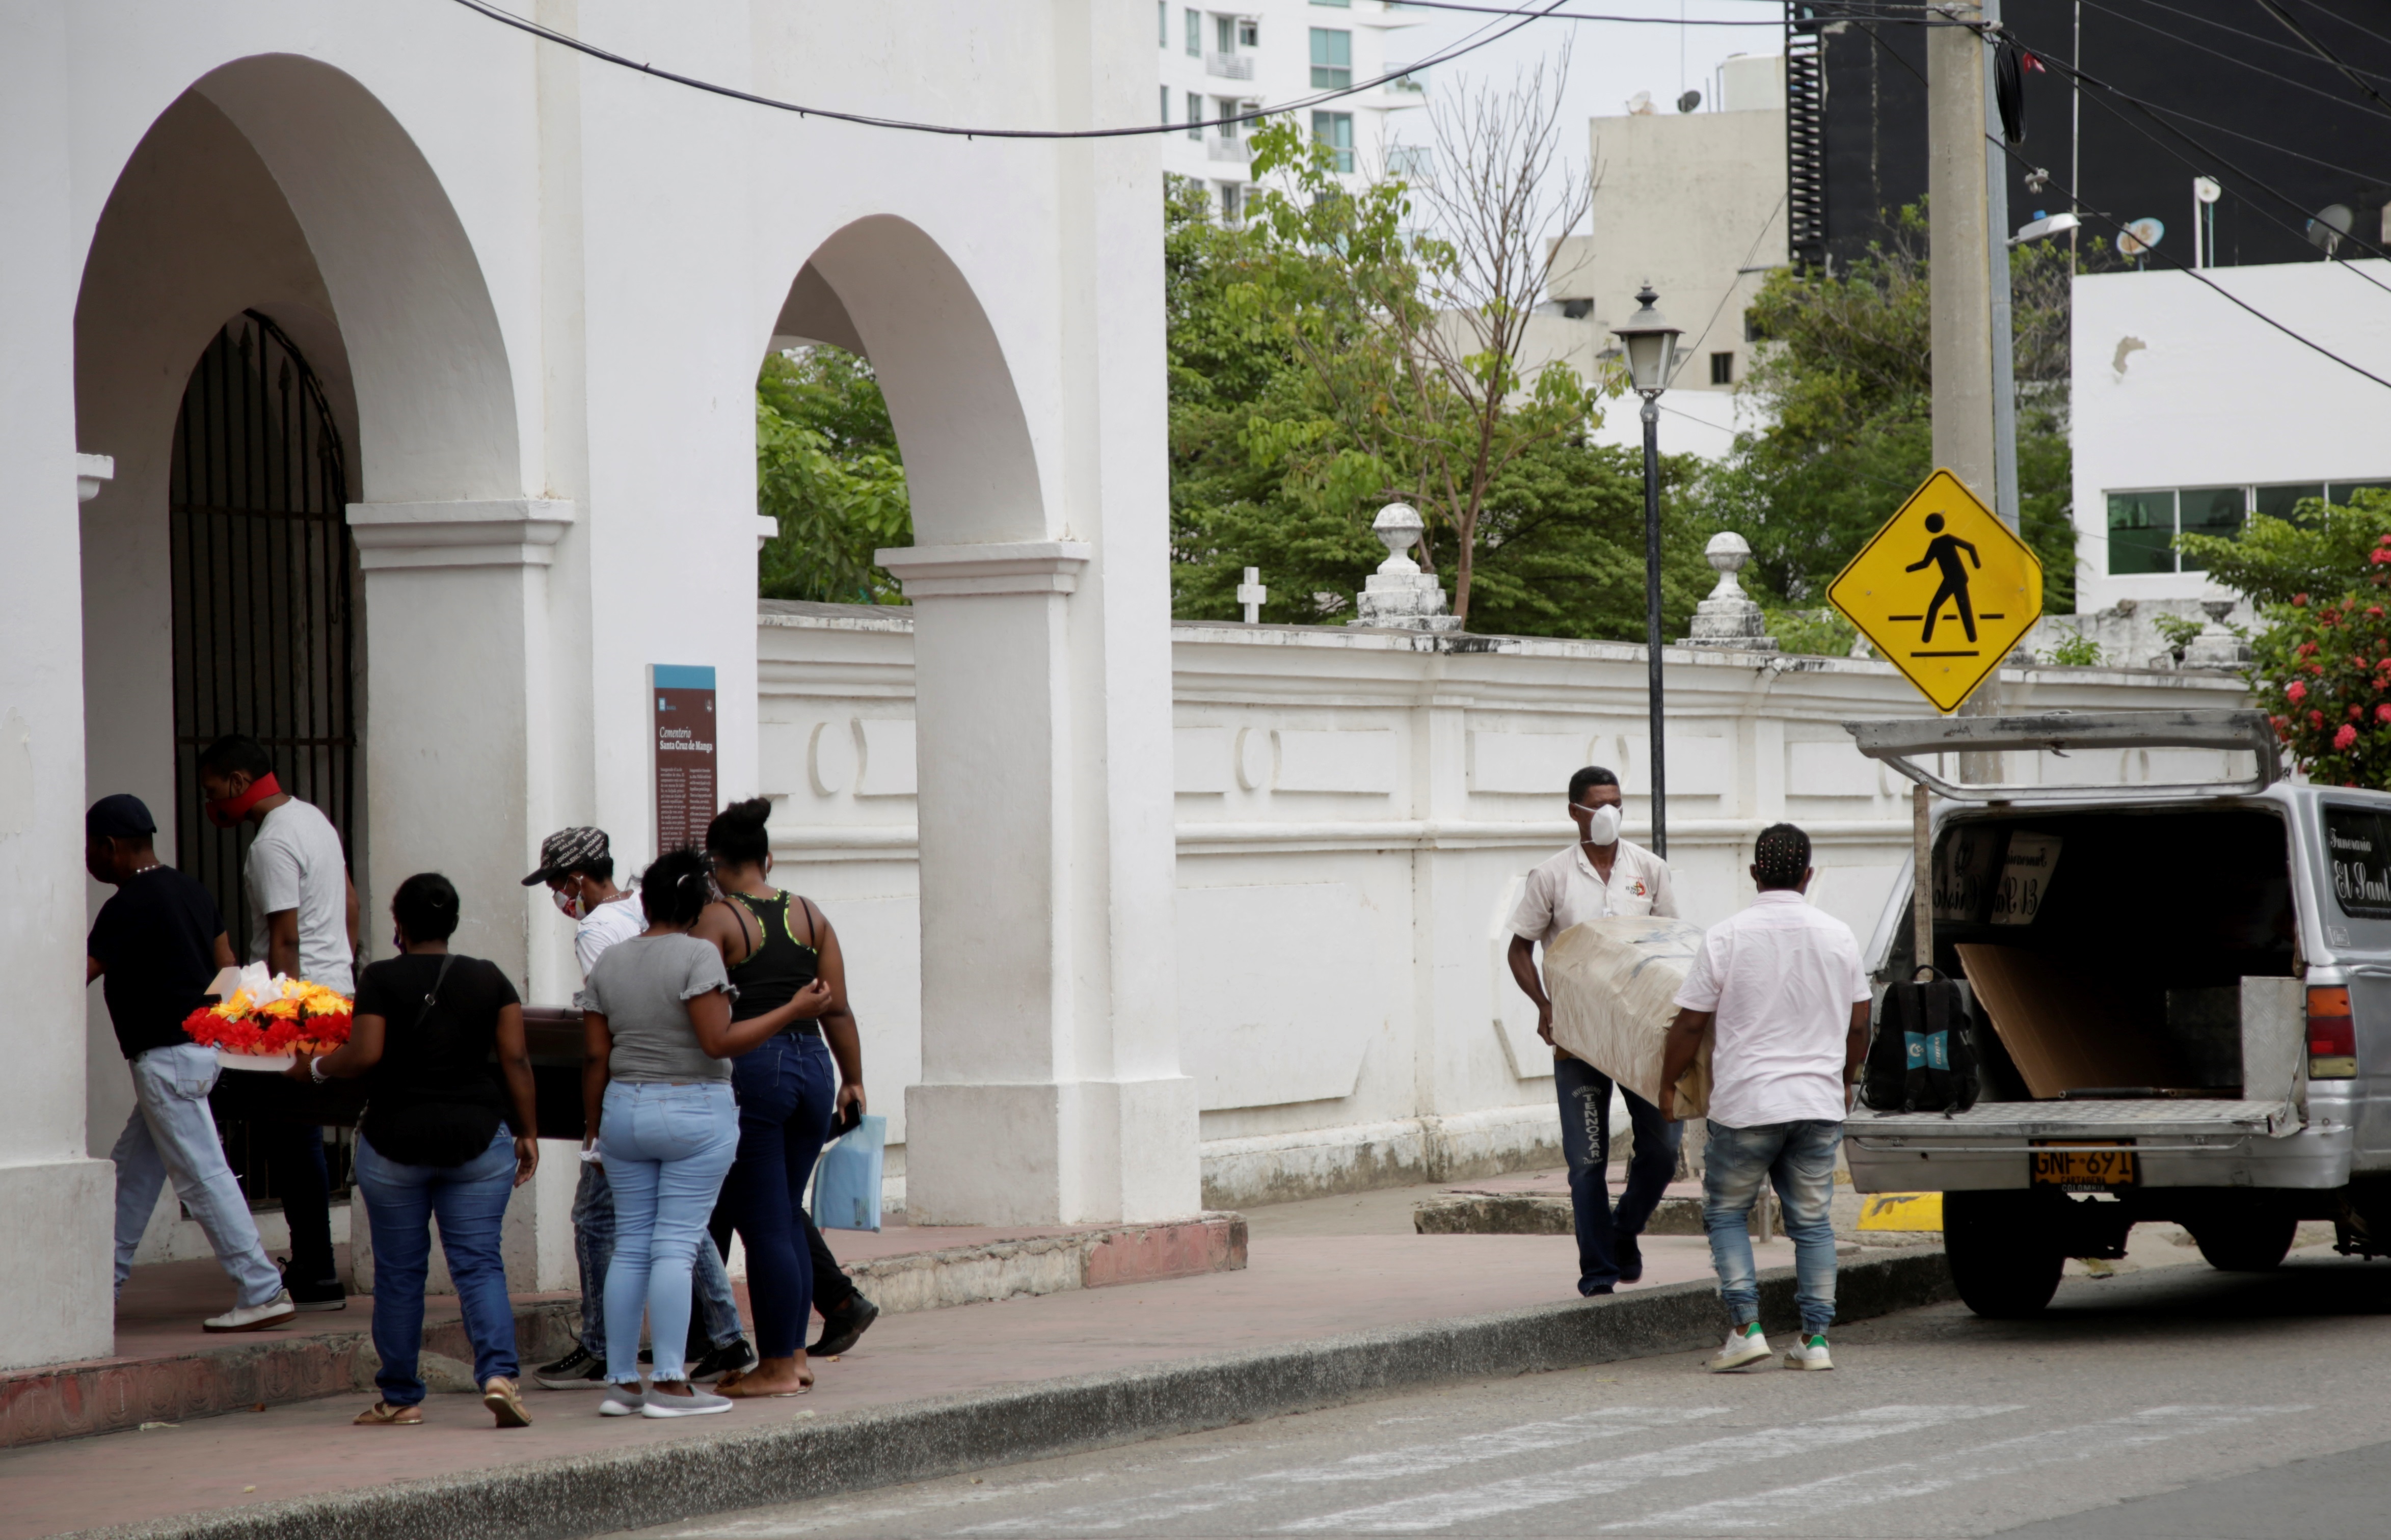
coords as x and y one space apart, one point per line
1472 43
2293 26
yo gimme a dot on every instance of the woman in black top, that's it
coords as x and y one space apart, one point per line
787 1092
435 1141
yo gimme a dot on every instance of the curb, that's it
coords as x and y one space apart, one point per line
115 1395
1214 1242
926 1440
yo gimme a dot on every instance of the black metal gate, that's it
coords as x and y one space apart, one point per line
264 625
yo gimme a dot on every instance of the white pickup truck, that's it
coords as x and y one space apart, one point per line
2180 1002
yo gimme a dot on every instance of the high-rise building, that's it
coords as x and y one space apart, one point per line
1216 63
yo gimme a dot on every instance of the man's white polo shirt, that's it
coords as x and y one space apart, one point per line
1782 977
1567 891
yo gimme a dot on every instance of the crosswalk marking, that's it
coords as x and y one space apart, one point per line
1807 1500
1437 1510
1418 1459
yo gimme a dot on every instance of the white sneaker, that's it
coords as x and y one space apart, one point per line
278 1310
621 1401
1808 1353
697 1404
1745 1345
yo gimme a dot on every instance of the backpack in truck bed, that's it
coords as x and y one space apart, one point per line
1921 1058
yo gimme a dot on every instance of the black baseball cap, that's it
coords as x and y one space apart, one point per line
122 816
567 852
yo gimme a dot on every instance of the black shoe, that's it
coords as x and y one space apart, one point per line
843 1325
1631 1259
575 1371
328 1294
1590 1293
717 1362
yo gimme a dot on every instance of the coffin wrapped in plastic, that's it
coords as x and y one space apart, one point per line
1612 984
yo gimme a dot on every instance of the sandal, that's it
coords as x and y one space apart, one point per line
381 1414
505 1400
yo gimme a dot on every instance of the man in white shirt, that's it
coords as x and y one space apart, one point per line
1781 990
1601 874
303 922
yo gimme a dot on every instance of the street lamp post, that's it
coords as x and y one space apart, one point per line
1651 346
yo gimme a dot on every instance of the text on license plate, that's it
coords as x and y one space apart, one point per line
2083 1169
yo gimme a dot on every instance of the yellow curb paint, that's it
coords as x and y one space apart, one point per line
1902 1211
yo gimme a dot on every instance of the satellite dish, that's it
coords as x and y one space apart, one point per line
1690 100
2331 222
2207 189
1640 105
2140 235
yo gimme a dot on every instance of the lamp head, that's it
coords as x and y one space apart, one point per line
1650 344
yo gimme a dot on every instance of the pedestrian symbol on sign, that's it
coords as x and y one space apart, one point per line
1942 565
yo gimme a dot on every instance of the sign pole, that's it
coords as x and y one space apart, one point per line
1652 620
1921 904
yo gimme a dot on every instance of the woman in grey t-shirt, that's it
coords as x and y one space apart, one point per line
657 1092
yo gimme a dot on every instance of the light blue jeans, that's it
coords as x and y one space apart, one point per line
666 1149
471 1203
172 1134
1797 1159
593 1247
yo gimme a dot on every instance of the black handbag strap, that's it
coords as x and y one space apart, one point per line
432 997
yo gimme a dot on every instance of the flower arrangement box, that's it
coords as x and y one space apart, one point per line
264 1022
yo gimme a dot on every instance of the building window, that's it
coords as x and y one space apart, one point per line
1224 33
1162 22
1408 161
2209 511
1332 59
1249 33
1166 106
1194 34
1335 131
1232 203
1195 116
1224 109
2142 531
1340 5
1722 369
2284 502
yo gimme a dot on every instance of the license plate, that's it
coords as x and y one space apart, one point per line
2083 1169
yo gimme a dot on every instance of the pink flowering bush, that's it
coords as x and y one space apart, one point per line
2321 671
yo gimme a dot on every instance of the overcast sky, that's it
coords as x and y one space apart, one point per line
1609 62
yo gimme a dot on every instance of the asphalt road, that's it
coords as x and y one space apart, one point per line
2179 1403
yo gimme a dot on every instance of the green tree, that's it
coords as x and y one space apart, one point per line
1845 382
827 469
2322 548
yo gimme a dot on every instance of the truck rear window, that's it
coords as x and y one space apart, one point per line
2357 843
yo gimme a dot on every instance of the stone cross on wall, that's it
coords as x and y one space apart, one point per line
1253 596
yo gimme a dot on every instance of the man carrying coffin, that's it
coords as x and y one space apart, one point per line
1599 877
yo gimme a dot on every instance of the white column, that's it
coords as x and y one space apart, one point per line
1039 1101
55 1205
459 706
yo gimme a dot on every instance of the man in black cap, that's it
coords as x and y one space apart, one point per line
157 945
578 864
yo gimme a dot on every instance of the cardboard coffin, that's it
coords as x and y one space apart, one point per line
1613 984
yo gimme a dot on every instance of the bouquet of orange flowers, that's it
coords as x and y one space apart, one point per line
263 1017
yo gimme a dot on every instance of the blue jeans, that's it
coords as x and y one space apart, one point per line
471 1203
1797 1159
787 1094
666 1148
172 1133
715 1310
1586 1143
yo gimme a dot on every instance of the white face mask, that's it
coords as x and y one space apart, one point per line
1602 824
568 904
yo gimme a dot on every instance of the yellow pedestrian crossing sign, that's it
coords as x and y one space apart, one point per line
1944 591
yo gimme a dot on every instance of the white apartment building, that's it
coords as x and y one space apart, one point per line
1216 63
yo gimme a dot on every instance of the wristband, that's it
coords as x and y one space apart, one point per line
315 1070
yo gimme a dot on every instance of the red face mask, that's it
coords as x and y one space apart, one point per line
226 812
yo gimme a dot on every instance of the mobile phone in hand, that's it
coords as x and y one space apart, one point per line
849 1120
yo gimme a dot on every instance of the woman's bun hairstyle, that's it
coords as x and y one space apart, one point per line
675 888
737 834
426 906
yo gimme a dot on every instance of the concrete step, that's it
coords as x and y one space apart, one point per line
1464 1212
942 1266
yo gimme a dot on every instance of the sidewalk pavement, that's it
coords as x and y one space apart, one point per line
1319 1270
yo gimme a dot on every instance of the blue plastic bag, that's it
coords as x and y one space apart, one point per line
846 1182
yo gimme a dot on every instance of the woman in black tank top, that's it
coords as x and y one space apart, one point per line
789 1094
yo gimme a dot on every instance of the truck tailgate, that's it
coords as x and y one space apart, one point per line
2138 1120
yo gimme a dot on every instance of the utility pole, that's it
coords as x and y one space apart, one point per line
1997 258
